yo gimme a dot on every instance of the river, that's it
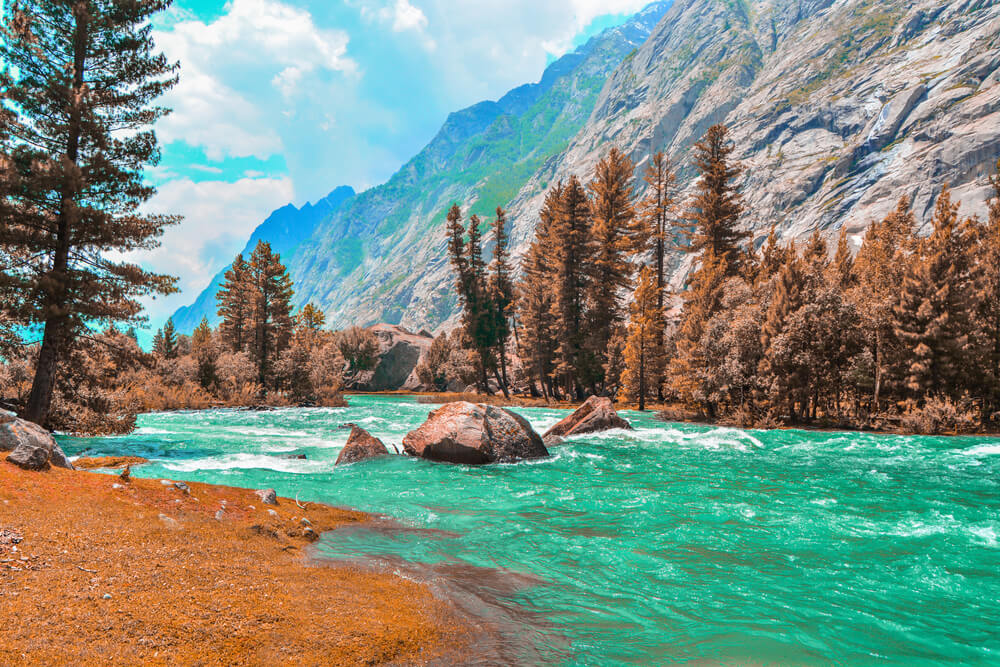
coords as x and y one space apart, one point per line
670 544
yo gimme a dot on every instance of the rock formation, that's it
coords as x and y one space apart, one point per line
361 446
31 447
596 414
396 369
474 434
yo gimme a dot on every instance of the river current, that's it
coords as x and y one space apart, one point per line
670 544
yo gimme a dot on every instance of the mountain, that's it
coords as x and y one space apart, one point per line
837 108
284 229
381 258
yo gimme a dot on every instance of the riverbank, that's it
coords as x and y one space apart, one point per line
96 570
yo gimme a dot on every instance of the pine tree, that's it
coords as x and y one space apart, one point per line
501 291
165 341
311 317
879 269
988 300
236 302
537 342
655 214
931 317
571 252
772 257
613 232
272 309
644 343
78 82
843 261
702 301
203 351
717 206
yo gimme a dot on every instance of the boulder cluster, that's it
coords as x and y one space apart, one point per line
478 434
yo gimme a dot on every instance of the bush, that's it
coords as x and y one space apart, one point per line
939 415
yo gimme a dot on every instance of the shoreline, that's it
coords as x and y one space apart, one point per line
144 572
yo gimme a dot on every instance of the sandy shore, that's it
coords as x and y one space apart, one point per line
146 573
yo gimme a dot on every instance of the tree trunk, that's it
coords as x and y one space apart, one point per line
53 338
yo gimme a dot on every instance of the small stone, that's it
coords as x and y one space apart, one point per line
267 496
166 482
168 522
107 596
183 488
272 513
306 522
117 486
310 534
219 515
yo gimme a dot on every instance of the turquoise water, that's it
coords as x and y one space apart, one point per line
671 544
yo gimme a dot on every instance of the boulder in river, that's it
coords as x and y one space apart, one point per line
596 414
361 446
31 447
473 433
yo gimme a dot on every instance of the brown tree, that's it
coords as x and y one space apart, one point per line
78 84
644 357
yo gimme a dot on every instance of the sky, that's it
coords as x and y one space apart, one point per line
283 100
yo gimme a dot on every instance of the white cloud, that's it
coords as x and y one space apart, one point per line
400 16
218 219
211 109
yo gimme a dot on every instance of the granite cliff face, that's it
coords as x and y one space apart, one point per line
837 108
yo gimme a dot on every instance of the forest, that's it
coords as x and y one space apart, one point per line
903 333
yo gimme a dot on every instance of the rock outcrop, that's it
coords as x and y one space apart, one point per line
595 415
31 447
475 434
267 496
396 369
361 446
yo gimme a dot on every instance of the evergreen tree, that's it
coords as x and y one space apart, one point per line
717 206
879 269
614 236
655 216
204 353
165 341
311 317
702 301
843 261
272 309
535 301
236 303
571 253
501 294
77 84
772 257
644 344
931 316
987 256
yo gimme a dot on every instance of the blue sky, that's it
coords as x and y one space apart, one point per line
283 100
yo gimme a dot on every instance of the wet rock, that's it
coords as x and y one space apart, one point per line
267 496
295 457
361 446
596 414
473 433
31 446
183 488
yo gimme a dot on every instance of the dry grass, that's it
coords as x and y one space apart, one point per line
186 588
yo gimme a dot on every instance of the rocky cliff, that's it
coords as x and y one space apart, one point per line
837 108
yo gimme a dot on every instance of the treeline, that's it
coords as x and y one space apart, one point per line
903 332
262 354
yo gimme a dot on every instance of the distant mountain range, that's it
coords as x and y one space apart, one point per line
837 107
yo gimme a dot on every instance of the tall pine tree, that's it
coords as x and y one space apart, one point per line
644 357
236 303
272 310
78 83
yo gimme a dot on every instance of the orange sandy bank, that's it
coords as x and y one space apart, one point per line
146 573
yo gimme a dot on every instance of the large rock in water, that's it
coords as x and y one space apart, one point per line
596 414
31 446
396 369
473 433
361 446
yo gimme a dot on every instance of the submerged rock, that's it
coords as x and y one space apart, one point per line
596 414
361 446
473 433
31 446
